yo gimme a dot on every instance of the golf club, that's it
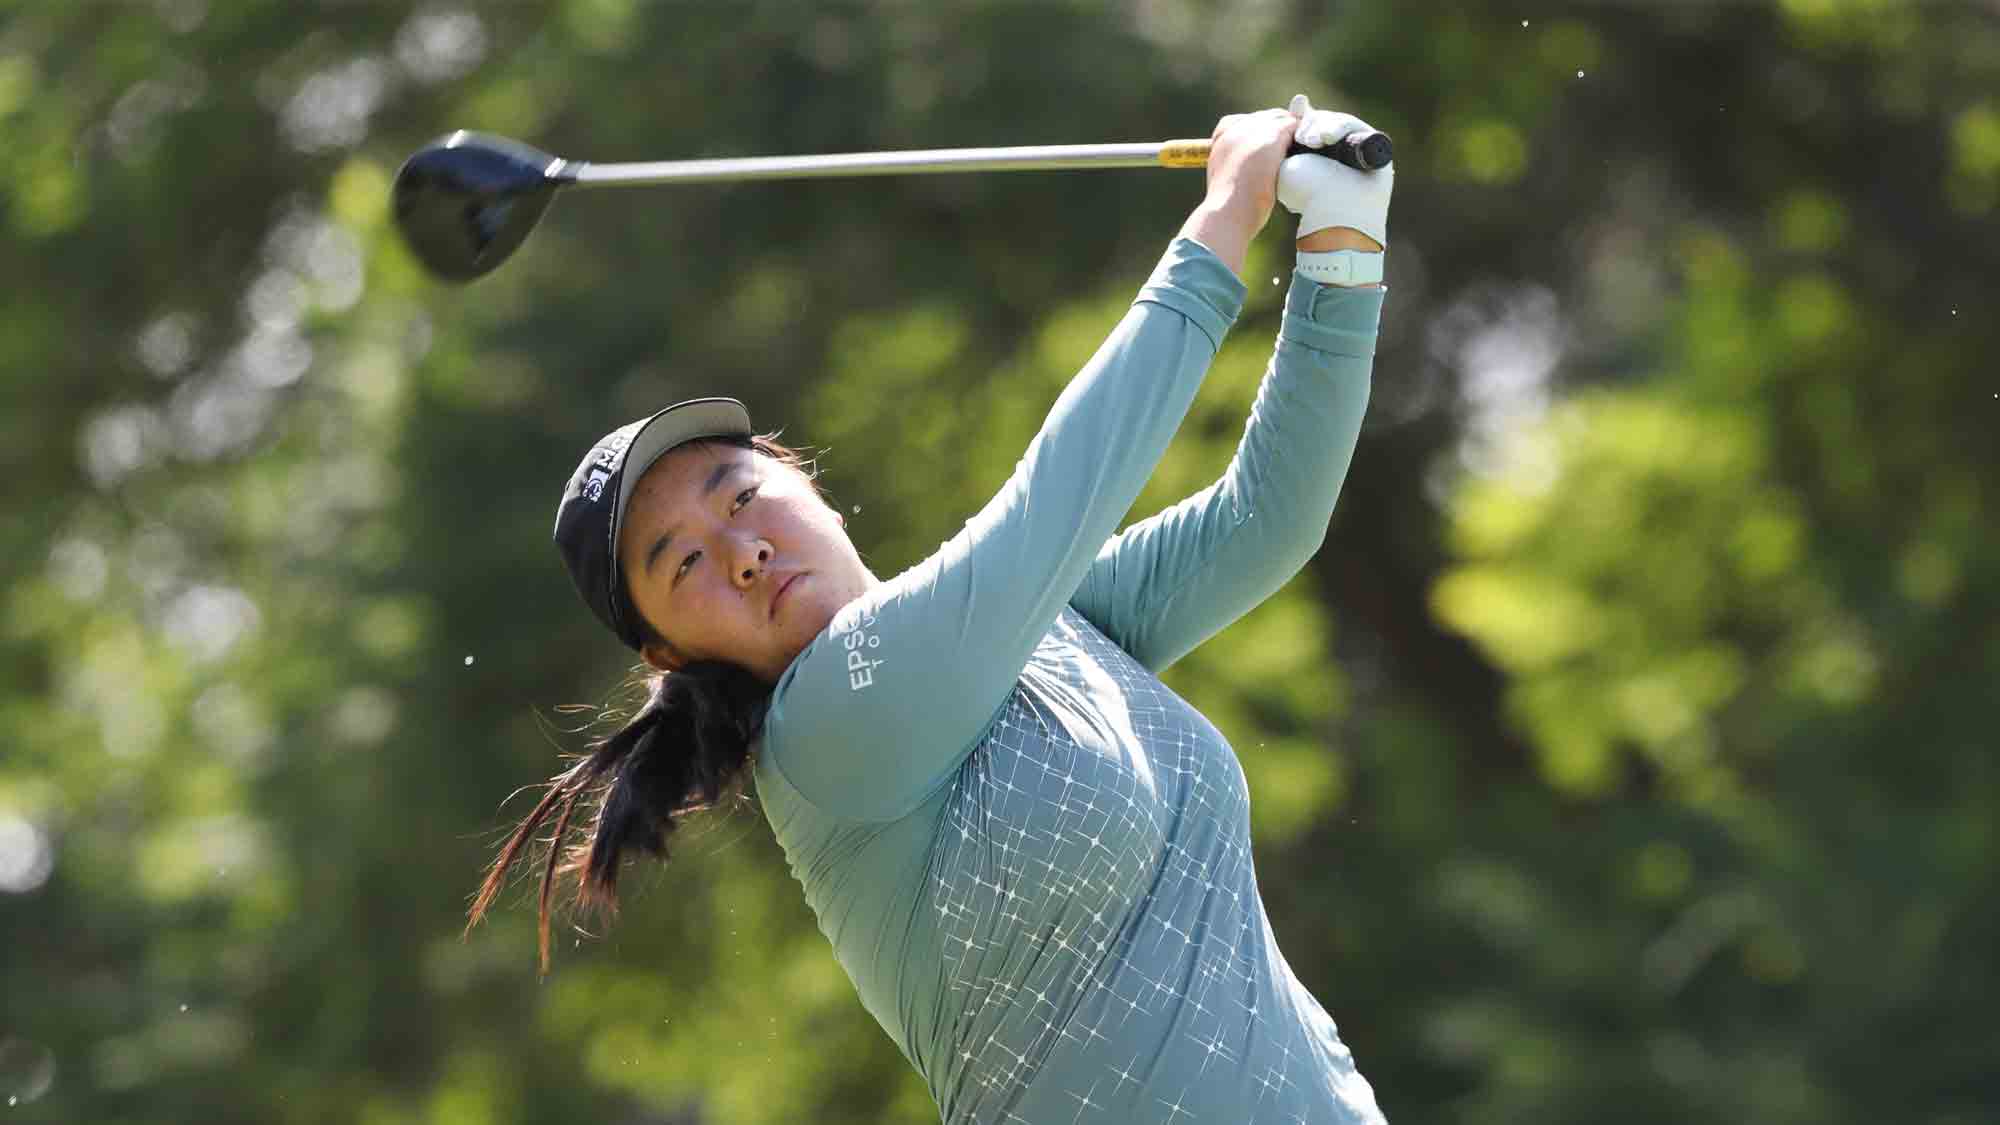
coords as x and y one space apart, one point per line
467 200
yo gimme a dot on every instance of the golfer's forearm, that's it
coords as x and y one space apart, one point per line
1172 580
932 653
1306 420
1104 435
1281 485
1225 228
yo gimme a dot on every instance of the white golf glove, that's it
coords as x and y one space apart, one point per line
1326 193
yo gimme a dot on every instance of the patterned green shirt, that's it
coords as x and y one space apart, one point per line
1031 857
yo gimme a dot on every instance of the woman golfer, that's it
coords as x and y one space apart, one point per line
1032 858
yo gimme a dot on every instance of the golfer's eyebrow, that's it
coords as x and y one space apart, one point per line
716 476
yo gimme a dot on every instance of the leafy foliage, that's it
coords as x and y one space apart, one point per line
1626 754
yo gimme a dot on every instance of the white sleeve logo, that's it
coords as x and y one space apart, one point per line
860 646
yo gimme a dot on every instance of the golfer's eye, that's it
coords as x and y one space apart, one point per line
743 499
687 564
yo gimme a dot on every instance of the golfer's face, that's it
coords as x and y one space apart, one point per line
734 557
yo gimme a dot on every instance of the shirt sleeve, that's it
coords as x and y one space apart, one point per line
1172 581
886 703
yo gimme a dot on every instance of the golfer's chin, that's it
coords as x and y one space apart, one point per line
802 620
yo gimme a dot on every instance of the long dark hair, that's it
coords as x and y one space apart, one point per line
683 750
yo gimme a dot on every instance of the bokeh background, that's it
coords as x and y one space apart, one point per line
1627 755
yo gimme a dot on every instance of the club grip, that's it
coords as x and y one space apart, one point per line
1364 151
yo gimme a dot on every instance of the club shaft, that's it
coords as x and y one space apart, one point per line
1025 158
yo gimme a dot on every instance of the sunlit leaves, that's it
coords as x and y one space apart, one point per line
599 26
1599 591
18 75
476 1088
1661 870
1810 221
1536 626
1974 186
1812 309
391 628
1483 150
48 197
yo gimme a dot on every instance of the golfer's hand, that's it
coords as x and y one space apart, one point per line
1245 152
1338 207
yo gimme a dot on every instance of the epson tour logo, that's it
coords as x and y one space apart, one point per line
860 645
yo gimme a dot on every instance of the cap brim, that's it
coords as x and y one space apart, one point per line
676 425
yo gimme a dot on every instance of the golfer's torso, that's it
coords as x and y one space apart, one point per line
1101 953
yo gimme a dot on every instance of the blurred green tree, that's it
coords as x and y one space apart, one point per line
1626 755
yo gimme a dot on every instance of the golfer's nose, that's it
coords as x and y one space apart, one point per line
751 556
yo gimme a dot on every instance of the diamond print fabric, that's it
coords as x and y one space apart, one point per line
1087 943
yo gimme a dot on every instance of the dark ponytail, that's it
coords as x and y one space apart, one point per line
683 751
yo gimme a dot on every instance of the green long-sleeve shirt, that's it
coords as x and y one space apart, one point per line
1031 857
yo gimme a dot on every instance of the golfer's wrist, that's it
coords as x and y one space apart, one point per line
1338 238
1341 258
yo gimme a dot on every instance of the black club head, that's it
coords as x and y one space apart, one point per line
467 200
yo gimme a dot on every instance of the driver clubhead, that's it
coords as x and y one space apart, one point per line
466 200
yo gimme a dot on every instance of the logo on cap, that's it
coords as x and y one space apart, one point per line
593 485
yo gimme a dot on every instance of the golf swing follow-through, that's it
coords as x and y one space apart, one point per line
466 201
1031 858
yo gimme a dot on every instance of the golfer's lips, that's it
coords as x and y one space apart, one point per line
784 588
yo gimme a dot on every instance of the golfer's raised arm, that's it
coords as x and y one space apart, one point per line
1171 581
906 679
